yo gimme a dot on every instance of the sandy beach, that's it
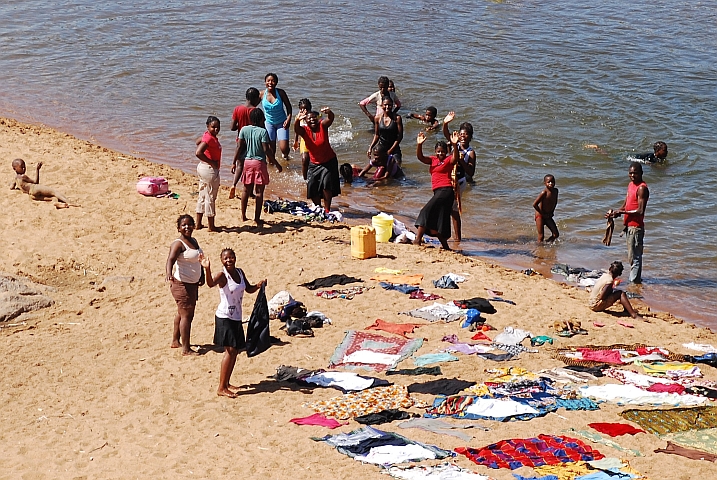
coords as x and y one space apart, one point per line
91 389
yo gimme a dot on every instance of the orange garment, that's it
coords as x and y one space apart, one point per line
399 279
397 328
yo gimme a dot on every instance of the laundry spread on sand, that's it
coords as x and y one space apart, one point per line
632 395
384 416
597 438
372 351
310 213
345 293
320 420
401 287
356 404
664 421
512 336
444 471
448 312
434 371
345 381
615 429
700 347
465 348
595 355
371 445
421 295
691 453
397 328
442 427
442 386
330 281
531 452
430 358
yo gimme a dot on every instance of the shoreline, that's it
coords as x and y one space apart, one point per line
93 385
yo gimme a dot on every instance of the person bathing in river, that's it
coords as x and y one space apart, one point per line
388 130
544 207
383 91
465 167
385 164
429 118
277 110
435 216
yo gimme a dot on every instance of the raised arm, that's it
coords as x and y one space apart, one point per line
219 279
454 148
298 129
419 149
329 119
449 118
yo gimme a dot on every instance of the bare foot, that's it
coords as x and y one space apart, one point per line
214 229
61 205
417 242
234 387
226 393
175 344
232 192
189 353
199 227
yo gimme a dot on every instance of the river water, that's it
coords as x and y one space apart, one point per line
538 80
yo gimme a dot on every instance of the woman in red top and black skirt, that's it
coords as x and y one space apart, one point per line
435 217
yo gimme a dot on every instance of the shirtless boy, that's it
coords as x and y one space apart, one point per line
429 118
604 293
33 187
544 207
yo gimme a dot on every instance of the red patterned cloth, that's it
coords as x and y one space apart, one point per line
615 429
397 328
481 336
531 452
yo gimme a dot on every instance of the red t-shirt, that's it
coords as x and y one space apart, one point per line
214 148
633 219
241 116
320 150
441 172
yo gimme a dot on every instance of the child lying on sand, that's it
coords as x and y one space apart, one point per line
33 187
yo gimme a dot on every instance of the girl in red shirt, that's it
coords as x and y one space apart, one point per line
435 217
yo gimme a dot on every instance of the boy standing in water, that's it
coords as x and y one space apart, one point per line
544 207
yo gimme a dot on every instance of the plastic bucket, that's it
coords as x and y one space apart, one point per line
384 227
363 242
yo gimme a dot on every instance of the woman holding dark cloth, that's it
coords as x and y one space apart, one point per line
435 217
321 172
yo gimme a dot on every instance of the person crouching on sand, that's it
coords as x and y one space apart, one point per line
604 294
228 330
435 216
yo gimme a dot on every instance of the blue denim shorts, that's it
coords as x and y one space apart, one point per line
277 132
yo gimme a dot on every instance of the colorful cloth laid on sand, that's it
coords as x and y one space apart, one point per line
371 445
399 279
690 453
397 328
512 336
401 287
591 355
632 395
421 295
345 293
445 471
302 209
565 375
510 374
704 440
592 471
514 350
700 347
660 422
615 429
345 381
372 351
671 369
597 438
447 312
318 419
531 452
546 477
429 358
374 400
503 409
465 348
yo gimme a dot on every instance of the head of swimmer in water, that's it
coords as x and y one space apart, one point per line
635 172
441 150
252 96
391 86
271 80
228 258
19 166
465 134
380 155
431 113
383 85
347 172
312 120
660 149
387 104
304 105
213 125
256 117
549 181
616 269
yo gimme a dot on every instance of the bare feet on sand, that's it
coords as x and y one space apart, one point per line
175 344
226 393
189 353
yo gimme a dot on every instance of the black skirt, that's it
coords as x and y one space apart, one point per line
436 214
323 176
228 333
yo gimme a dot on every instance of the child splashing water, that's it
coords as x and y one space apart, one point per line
435 216
228 330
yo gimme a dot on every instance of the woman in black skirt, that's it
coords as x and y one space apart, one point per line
435 217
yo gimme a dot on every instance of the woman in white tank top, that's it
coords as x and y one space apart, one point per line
184 272
228 331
